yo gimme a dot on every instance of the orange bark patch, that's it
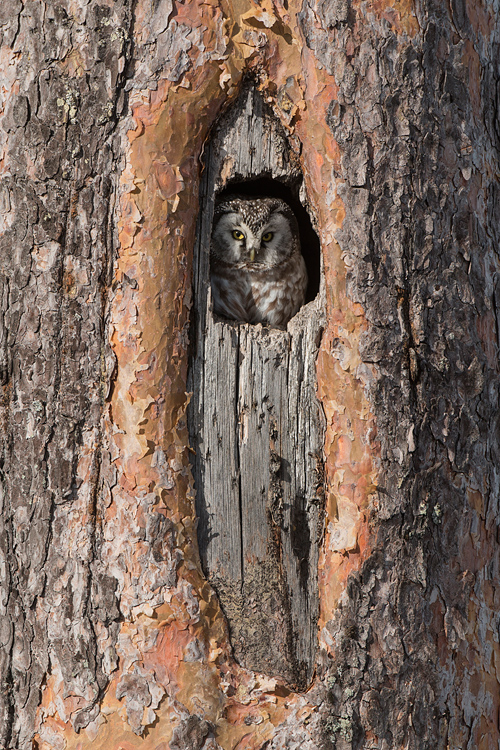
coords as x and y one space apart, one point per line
400 14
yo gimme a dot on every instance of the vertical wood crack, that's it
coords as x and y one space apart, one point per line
237 417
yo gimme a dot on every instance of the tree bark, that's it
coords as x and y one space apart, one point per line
111 634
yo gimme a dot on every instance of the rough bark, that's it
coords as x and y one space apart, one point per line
64 72
110 634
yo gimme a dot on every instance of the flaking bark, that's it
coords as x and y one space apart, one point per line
57 200
109 632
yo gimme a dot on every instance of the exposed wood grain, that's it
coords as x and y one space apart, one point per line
257 429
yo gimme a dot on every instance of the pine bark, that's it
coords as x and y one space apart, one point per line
110 633
64 83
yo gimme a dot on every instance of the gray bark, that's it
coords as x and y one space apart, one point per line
55 263
423 262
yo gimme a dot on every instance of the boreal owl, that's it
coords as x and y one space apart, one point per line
257 271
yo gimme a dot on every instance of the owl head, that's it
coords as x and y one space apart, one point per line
253 231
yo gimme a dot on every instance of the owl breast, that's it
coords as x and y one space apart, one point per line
270 296
257 271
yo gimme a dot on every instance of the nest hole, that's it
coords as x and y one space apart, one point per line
309 241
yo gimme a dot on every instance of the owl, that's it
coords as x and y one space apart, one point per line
257 271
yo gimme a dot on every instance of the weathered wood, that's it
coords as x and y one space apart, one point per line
110 637
256 427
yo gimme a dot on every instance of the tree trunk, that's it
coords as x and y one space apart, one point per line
119 124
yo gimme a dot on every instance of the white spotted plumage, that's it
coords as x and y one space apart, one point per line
257 271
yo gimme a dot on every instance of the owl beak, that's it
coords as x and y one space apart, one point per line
253 249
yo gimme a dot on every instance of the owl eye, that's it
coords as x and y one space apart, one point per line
238 235
267 237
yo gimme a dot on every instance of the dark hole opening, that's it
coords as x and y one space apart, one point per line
309 241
